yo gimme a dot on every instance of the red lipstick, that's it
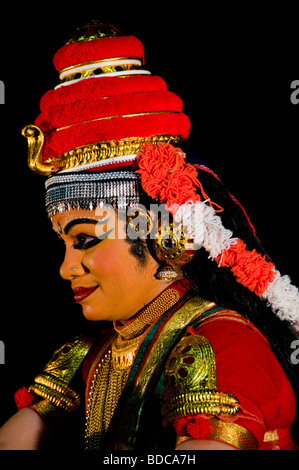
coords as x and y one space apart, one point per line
80 293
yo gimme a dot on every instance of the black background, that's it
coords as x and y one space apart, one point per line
233 69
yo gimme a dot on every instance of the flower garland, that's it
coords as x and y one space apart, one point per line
166 177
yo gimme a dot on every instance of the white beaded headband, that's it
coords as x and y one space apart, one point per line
119 189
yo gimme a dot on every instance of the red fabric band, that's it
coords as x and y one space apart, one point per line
101 87
98 49
94 108
58 142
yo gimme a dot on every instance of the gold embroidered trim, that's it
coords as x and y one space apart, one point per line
273 437
230 433
233 434
190 382
224 314
128 426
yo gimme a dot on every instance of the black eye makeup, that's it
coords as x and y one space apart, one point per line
85 241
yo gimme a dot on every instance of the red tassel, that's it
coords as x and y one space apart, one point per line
199 428
180 426
196 427
23 398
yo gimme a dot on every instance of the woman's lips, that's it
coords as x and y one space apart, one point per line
80 293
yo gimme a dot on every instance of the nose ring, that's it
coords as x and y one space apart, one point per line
74 268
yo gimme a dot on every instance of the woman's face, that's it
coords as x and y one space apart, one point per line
108 281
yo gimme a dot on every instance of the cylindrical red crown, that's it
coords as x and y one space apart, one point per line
106 95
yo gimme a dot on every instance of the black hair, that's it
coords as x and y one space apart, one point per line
220 285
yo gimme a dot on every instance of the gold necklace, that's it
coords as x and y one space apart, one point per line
149 314
113 369
107 385
124 352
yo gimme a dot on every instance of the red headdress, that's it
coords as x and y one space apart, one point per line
106 106
108 114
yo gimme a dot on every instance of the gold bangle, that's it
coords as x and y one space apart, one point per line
56 391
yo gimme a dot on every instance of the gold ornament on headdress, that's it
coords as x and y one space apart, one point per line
88 154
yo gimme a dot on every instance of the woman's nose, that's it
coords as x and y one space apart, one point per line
72 265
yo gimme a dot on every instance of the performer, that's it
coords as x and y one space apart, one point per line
197 354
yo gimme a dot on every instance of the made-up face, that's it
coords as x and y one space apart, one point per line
108 281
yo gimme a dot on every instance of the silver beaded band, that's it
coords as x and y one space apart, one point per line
91 190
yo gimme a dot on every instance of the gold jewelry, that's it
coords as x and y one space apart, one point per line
88 154
190 382
171 246
56 391
108 383
166 273
130 418
149 314
53 383
114 368
124 352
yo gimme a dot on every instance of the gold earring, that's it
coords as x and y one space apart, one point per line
166 273
171 246
139 223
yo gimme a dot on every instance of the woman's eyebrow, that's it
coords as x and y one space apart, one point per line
74 222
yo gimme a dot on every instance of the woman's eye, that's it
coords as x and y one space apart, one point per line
85 241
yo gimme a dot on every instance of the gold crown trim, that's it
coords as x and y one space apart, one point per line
100 70
87 154
98 63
